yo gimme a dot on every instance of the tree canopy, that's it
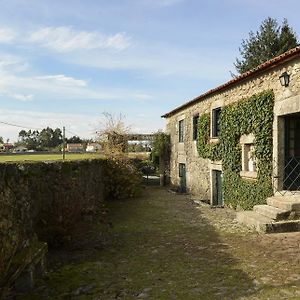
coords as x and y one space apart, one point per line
269 41
45 139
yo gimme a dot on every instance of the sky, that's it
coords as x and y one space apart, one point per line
66 62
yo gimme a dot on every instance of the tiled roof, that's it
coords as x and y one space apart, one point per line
262 67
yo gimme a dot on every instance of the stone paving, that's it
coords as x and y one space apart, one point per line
164 246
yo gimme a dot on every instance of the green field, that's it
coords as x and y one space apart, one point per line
46 157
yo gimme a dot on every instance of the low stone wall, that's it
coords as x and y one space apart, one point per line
40 202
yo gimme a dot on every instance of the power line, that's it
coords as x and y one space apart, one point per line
71 132
15 125
30 128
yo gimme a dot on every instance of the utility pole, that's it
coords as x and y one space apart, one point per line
64 142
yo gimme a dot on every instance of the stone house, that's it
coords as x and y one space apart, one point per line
75 148
204 175
93 147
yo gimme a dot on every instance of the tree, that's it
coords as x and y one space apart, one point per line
1 140
49 138
30 139
46 139
271 40
113 135
74 140
122 178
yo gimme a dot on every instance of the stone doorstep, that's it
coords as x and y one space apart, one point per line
265 224
253 219
283 226
291 203
272 212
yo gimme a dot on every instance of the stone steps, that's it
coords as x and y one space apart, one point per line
272 212
275 216
267 225
291 203
253 219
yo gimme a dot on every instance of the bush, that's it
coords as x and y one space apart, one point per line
122 179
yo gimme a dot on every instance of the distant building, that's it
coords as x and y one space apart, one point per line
6 147
20 149
93 147
75 148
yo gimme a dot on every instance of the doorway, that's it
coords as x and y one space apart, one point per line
217 188
291 180
182 177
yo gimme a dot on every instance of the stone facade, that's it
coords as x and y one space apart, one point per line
287 101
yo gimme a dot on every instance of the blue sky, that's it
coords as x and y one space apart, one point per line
64 63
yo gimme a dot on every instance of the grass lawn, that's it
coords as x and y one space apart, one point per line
46 157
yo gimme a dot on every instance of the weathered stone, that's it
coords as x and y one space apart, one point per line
43 199
199 170
271 212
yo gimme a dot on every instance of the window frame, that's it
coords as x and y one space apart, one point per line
181 131
195 127
216 122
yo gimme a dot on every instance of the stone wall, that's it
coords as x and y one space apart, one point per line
198 169
41 202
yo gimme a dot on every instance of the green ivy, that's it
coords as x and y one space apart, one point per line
205 148
253 115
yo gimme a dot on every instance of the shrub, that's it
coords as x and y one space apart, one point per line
122 179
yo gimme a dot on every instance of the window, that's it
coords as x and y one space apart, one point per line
195 127
216 124
249 167
249 161
181 130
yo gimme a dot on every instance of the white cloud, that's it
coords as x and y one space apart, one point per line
160 61
21 97
10 84
7 35
63 80
12 64
66 39
25 87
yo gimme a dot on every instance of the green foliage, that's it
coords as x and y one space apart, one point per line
74 140
254 115
161 148
206 149
122 179
271 40
41 140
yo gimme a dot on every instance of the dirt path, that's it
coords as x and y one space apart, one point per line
163 246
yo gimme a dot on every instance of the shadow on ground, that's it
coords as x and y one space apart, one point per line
157 247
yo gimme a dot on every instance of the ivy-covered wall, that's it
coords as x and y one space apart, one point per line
253 115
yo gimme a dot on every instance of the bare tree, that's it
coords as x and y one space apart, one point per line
113 134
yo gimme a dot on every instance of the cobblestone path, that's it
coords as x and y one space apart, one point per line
164 246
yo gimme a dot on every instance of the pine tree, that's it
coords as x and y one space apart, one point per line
287 39
271 40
